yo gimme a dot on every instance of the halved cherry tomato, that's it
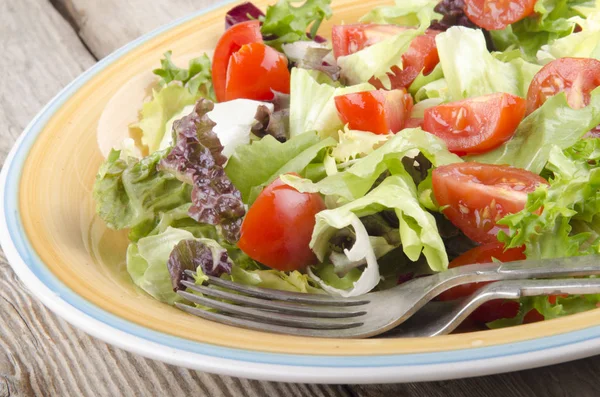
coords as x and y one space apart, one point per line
380 112
348 39
422 54
495 309
278 226
476 125
497 14
231 41
577 77
480 254
477 196
255 71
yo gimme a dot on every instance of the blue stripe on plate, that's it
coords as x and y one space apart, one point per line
31 259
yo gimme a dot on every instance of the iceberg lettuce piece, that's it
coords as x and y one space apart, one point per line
404 13
356 180
418 232
312 107
470 70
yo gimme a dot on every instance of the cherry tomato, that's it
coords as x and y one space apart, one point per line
476 195
533 316
348 39
497 14
495 309
480 254
413 122
278 226
255 71
476 125
231 41
421 55
380 112
577 77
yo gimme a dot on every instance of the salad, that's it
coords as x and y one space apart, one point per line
421 137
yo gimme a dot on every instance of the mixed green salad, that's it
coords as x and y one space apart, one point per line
423 136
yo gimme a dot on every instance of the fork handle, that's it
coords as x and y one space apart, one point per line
510 289
546 268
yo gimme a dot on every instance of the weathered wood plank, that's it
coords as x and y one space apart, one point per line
568 379
41 355
108 24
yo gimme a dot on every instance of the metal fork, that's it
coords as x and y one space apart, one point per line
377 312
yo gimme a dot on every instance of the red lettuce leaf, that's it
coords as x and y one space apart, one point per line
197 159
191 254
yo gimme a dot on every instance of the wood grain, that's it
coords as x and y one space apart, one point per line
41 354
108 24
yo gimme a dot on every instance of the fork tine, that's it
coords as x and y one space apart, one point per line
286 296
283 307
258 326
271 317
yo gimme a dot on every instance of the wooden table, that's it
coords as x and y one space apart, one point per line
46 44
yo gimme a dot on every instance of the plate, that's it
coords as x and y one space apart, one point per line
75 266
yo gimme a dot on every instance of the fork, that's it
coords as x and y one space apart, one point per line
377 312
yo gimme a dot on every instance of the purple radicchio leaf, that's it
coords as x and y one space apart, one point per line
453 14
317 59
271 123
242 13
191 254
196 159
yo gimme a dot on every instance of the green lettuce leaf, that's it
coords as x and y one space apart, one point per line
356 180
291 23
417 231
550 21
404 13
253 166
197 78
165 103
470 70
130 193
291 281
147 263
353 144
583 44
553 124
545 225
312 107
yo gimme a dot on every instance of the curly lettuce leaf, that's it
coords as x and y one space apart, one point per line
130 193
356 180
312 106
197 78
546 225
470 70
285 22
555 123
197 160
254 166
